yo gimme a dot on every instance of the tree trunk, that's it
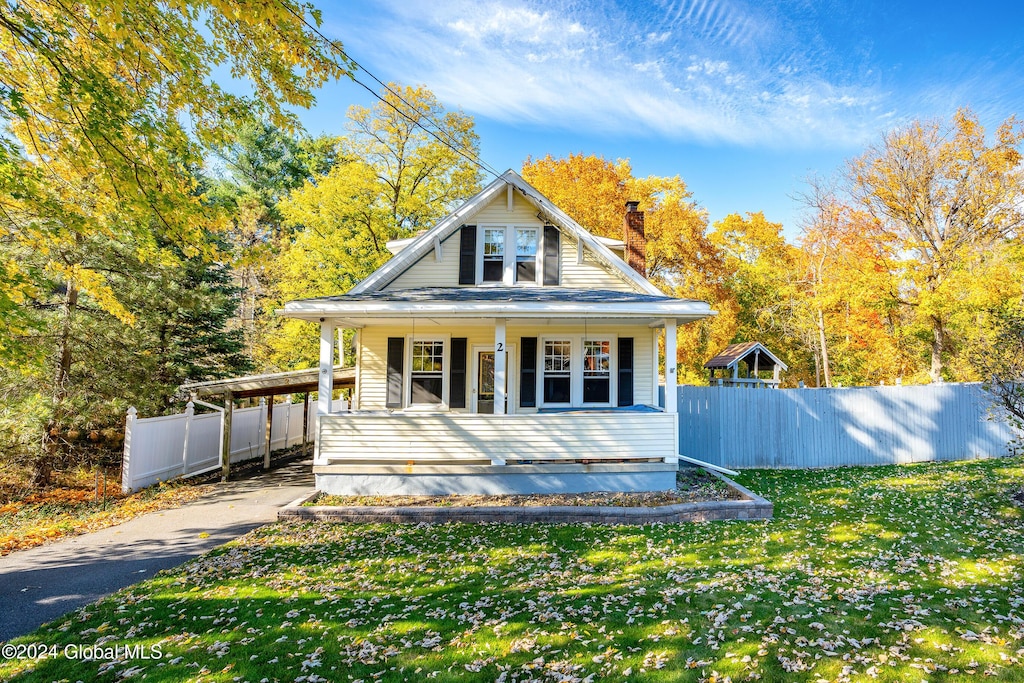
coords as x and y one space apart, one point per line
43 466
938 346
824 349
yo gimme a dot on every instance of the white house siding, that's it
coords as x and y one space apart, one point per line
410 439
372 379
429 272
589 274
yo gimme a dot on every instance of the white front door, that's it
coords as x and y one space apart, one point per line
482 400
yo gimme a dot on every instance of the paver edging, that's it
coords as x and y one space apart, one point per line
750 507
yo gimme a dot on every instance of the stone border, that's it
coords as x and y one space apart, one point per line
752 506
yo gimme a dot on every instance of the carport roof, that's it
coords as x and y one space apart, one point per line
270 384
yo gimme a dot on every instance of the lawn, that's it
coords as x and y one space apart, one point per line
891 573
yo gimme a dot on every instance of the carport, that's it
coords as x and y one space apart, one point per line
269 386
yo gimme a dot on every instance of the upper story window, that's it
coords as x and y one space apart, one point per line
526 255
509 255
494 255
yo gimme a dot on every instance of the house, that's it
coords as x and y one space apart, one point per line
755 359
505 350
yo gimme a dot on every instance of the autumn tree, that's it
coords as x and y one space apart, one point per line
680 257
942 195
107 108
403 165
423 157
254 171
761 273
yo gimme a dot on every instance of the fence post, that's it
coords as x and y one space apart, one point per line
126 460
190 410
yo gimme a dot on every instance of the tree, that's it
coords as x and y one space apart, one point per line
108 107
261 164
423 156
941 194
761 274
389 179
680 258
999 357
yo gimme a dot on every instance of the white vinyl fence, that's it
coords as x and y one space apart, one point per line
796 428
161 448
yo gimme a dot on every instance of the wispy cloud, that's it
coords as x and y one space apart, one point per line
699 70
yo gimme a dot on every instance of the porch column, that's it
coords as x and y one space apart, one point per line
325 387
671 377
499 367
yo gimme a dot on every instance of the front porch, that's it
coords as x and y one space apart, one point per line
440 453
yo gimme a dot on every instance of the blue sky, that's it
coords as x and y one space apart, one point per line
743 100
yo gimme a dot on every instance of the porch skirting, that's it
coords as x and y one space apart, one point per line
429 479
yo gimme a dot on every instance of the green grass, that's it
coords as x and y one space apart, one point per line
891 574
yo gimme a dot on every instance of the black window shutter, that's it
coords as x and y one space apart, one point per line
467 255
625 371
457 380
396 366
551 236
528 372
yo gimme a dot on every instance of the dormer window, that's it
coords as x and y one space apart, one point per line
526 255
509 255
493 255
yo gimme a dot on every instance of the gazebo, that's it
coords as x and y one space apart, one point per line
756 360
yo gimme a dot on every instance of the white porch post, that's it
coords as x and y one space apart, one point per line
325 388
671 377
500 352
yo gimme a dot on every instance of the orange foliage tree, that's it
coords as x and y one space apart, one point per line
681 259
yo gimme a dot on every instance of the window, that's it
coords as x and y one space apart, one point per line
526 254
558 371
597 371
494 255
427 372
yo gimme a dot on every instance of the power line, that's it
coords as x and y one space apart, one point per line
450 143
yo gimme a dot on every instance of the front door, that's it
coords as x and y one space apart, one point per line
483 380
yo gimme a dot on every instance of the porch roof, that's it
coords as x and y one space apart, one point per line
269 384
497 302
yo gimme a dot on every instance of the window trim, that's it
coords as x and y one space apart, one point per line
446 359
576 357
542 370
509 257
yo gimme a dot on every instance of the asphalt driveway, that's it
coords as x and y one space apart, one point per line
43 583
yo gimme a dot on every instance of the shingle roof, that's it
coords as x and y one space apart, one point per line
496 294
733 353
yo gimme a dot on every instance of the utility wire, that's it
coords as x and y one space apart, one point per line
450 142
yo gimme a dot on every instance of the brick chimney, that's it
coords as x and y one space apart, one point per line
636 241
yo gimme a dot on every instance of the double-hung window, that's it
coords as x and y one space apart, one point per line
577 371
427 373
557 371
509 255
597 371
494 255
526 255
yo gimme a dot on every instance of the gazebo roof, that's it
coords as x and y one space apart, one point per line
734 353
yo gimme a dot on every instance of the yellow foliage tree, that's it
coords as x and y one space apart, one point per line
943 195
106 107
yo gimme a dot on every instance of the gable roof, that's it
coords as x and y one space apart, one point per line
424 243
734 353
